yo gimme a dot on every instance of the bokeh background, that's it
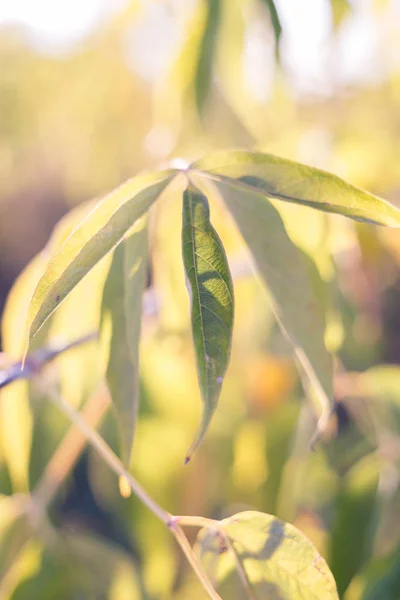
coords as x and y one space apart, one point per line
93 92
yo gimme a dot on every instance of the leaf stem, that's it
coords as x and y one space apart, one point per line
189 521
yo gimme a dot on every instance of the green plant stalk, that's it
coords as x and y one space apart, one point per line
95 439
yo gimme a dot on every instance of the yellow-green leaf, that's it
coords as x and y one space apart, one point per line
212 303
284 271
96 235
256 556
122 310
276 177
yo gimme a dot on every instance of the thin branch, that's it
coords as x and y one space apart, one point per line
189 521
35 362
69 450
95 440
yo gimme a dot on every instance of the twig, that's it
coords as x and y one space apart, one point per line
35 362
69 450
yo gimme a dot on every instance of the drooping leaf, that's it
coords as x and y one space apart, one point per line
254 555
97 234
283 269
122 306
275 177
212 302
205 63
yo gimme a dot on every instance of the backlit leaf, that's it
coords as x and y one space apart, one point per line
212 303
254 555
96 235
284 271
276 177
122 307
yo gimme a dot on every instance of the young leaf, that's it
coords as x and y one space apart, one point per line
96 235
281 265
275 177
254 555
212 304
122 303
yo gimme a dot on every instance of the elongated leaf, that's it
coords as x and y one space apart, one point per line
212 303
282 267
276 177
98 233
254 555
122 303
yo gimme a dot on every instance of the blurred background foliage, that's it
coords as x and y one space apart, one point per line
316 81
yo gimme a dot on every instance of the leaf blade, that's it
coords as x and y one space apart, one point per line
273 558
122 303
212 304
283 179
97 234
282 268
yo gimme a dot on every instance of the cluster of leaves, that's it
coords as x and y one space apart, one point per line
249 184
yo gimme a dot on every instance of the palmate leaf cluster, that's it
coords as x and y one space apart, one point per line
112 236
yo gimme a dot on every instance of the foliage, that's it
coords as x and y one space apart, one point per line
117 267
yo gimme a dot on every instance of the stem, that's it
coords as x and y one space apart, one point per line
189 521
95 439
69 450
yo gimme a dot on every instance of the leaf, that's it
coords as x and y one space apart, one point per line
122 304
205 64
212 303
275 177
256 556
283 269
96 235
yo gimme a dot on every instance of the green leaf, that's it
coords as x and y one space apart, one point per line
96 235
205 64
122 310
275 177
256 556
212 303
284 271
